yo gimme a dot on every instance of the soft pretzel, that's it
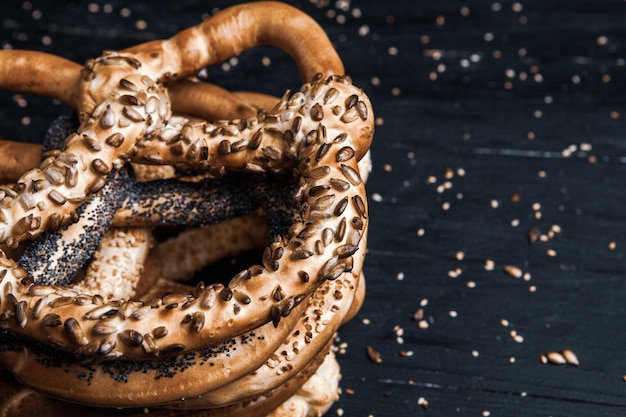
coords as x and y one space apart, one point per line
317 135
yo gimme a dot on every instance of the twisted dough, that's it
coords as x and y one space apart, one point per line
317 134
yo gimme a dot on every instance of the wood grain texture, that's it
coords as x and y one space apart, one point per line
496 117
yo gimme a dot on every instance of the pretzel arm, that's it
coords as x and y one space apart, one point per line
40 73
258 23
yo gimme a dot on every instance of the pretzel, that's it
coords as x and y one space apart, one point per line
318 134
301 397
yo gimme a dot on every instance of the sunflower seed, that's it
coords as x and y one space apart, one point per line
75 331
51 320
351 174
131 337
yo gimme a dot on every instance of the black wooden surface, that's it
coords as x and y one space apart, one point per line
495 118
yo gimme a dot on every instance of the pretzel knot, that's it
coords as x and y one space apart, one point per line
244 343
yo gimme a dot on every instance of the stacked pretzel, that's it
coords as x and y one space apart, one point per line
94 307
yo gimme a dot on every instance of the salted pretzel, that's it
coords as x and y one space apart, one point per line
317 134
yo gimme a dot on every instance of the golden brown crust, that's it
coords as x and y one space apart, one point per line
315 388
17 158
311 335
255 23
29 72
216 343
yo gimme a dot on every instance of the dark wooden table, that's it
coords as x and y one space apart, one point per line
497 230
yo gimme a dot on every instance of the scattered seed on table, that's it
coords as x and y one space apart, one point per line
489 265
555 358
513 271
423 402
533 235
570 357
374 355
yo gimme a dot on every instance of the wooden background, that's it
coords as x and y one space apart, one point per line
499 142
